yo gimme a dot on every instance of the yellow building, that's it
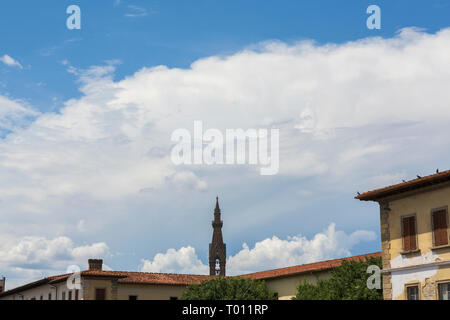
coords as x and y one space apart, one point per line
415 237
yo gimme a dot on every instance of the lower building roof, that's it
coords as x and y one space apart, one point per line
149 278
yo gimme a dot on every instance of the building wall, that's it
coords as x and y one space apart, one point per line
150 292
286 287
420 205
43 290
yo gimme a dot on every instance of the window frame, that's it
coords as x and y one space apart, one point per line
438 283
132 295
410 285
415 236
432 226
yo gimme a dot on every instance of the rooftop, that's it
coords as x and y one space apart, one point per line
307 268
418 183
187 279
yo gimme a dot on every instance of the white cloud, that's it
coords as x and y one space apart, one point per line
274 253
13 113
340 108
11 62
136 12
267 254
28 258
184 260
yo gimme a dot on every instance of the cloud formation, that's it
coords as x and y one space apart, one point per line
25 259
11 62
270 253
14 114
340 108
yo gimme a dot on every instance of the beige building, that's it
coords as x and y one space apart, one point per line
98 284
415 237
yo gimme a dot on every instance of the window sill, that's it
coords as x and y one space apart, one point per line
440 247
410 251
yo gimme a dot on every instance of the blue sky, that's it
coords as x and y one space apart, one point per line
176 33
85 117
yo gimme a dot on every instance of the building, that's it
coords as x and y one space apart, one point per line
284 281
98 284
217 249
415 237
2 284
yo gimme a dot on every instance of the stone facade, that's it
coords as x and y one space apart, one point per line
385 249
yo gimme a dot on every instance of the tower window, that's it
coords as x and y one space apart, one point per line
217 267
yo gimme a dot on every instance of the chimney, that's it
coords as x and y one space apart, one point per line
95 264
2 284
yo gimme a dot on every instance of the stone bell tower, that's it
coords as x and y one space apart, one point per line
217 249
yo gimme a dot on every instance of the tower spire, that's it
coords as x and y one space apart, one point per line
217 249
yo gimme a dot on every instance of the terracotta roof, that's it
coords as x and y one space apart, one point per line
307 268
122 276
414 184
186 279
164 278
141 277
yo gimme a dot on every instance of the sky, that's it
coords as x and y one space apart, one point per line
86 117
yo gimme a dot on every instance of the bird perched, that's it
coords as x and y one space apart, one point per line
358 193
437 170
418 177
403 180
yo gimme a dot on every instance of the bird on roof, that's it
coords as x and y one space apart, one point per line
403 180
437 170
358 193
419 177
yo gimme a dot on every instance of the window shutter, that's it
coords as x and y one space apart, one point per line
409 233
440 228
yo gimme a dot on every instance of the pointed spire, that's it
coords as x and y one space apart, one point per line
217 203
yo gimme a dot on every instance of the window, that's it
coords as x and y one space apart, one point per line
440 227
444 291
76 294
100 294
173 298
409 233
70 295
217 267
412 293
49 296
132 297
41 298
63 295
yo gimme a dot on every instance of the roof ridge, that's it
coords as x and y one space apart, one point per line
317 262
399 187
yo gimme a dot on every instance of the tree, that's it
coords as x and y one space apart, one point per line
223 288
347 282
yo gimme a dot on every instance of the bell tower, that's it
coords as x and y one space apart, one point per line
217 249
